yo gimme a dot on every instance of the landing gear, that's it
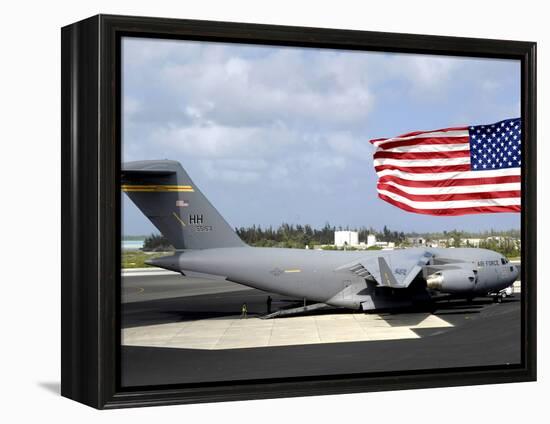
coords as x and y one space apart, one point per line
498 298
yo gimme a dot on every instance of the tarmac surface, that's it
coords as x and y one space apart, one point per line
182 330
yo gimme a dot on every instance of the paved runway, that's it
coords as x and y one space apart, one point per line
177 310
165 285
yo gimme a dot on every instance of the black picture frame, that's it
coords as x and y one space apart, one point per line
90 286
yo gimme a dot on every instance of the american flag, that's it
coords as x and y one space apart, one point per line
452 171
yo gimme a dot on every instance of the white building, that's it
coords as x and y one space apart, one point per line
472 242
346 238
371 240
416 241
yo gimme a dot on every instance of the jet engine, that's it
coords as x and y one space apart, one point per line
454 281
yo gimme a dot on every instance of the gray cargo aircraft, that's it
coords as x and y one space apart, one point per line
206 246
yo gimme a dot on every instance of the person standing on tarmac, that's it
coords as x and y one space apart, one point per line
244 311
269 300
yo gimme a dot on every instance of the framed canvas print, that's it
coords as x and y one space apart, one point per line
255 211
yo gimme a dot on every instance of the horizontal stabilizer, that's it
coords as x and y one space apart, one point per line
131 175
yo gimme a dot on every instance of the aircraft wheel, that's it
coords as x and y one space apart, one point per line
498 299
503 295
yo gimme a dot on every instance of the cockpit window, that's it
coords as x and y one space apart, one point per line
503 261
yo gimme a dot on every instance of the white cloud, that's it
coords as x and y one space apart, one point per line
283 85
239 171
211 140
430 72
131 106
292 121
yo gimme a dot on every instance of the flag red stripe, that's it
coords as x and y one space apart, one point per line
450 197
424 141
424 169
422 155
452 211
410 134
451 182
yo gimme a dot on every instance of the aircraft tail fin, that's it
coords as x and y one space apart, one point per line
164 192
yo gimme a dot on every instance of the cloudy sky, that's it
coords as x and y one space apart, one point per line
280 134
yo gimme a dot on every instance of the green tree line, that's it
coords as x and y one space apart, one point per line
299 236
157 243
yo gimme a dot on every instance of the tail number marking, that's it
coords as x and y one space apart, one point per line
196 219
203 228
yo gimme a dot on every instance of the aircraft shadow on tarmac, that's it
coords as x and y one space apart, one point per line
180 309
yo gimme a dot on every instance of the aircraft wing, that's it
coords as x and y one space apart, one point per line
396 268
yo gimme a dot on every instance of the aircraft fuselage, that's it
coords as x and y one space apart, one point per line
322 275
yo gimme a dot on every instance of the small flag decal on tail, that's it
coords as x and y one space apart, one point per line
181 204
452 171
